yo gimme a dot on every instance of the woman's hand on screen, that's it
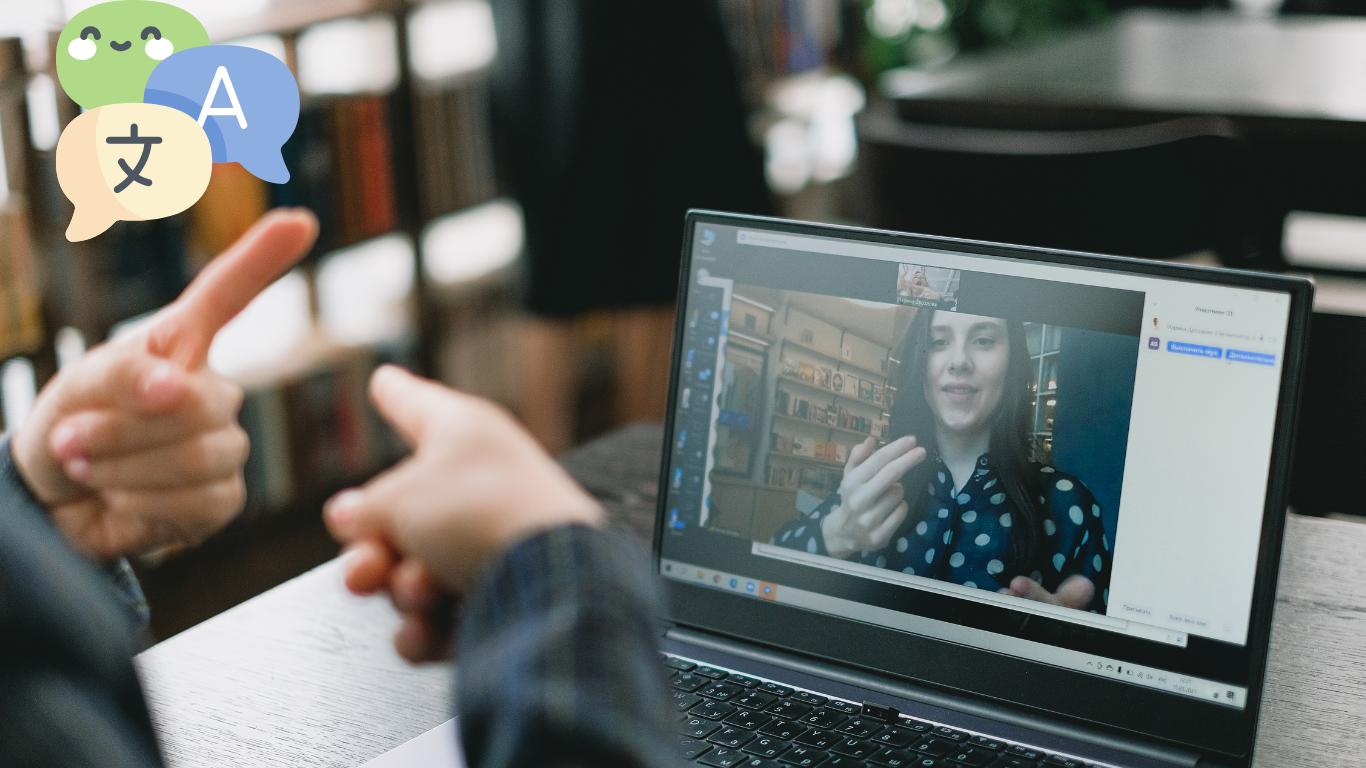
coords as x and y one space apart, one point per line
1075 591
872 499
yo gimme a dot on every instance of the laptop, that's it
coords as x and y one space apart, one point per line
933 502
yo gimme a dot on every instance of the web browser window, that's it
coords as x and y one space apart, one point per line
1061 463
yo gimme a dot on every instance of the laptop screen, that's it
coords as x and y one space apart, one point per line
1063 464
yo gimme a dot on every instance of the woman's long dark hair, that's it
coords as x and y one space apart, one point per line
1010 447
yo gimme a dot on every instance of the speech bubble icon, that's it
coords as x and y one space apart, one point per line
106 52
246 101
130 162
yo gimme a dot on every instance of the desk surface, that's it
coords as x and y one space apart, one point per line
304 675
1301 68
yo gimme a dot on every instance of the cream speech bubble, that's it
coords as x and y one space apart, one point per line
131 162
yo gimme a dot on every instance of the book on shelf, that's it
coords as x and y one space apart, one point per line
341 166
455 161
783 37
21 328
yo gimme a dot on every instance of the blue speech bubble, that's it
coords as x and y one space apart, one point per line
245 100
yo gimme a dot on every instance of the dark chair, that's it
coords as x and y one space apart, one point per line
1158 191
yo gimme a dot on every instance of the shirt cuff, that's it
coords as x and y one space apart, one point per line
12 485
18 498
558 656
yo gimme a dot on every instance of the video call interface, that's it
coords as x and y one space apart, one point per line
990 451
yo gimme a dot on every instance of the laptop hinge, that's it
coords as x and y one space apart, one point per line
1146 750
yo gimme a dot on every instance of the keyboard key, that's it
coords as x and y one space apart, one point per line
775 689
847 707
896 737
914 726
880 712
810 698
679 664
942 731
712 672
1016 750
859 748
818 739
682 701
1007 761
896 758
689 748
783 729
788 709
748 719
721 691
724 758
756 762
844 761
755 700
803 757
823 718
972 758
698 728
742 681
732 738
712 710
1064 762
860 727
687 681
982 742
767 746
934 747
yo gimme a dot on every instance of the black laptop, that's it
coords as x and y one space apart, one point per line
932 502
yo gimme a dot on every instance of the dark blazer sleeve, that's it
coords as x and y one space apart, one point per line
70 695
557 658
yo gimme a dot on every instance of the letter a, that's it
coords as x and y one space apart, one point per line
222 78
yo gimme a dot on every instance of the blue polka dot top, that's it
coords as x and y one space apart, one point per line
966 538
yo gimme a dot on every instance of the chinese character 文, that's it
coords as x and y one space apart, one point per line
134 174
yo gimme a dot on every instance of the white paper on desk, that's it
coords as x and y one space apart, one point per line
434 749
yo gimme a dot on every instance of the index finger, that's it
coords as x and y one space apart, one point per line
185 330
881 458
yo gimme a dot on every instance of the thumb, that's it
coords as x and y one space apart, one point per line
407 402
1023 586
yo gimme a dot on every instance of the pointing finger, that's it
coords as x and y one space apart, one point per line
185 330
407 401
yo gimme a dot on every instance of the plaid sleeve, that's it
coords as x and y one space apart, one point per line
126 587
558 666
70 695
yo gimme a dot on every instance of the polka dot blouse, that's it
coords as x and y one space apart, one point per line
965 537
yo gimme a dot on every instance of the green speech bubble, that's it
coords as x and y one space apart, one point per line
107 52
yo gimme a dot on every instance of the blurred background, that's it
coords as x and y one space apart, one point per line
502 184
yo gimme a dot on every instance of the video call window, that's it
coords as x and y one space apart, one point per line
982 451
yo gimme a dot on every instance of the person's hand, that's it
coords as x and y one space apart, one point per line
475 485
136 446
1075 591
872 499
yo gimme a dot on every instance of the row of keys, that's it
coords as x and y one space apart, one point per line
734 720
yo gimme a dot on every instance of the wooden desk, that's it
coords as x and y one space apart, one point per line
1292 86
304 675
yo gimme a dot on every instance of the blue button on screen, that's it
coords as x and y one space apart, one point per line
1199 350
1242 356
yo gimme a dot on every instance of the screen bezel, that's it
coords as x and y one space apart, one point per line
968 670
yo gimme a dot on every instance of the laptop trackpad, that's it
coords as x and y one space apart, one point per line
435 748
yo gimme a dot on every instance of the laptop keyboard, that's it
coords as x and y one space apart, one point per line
730 720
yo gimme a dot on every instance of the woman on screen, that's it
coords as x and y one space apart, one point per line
956 495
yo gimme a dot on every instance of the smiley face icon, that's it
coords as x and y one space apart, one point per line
106 53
